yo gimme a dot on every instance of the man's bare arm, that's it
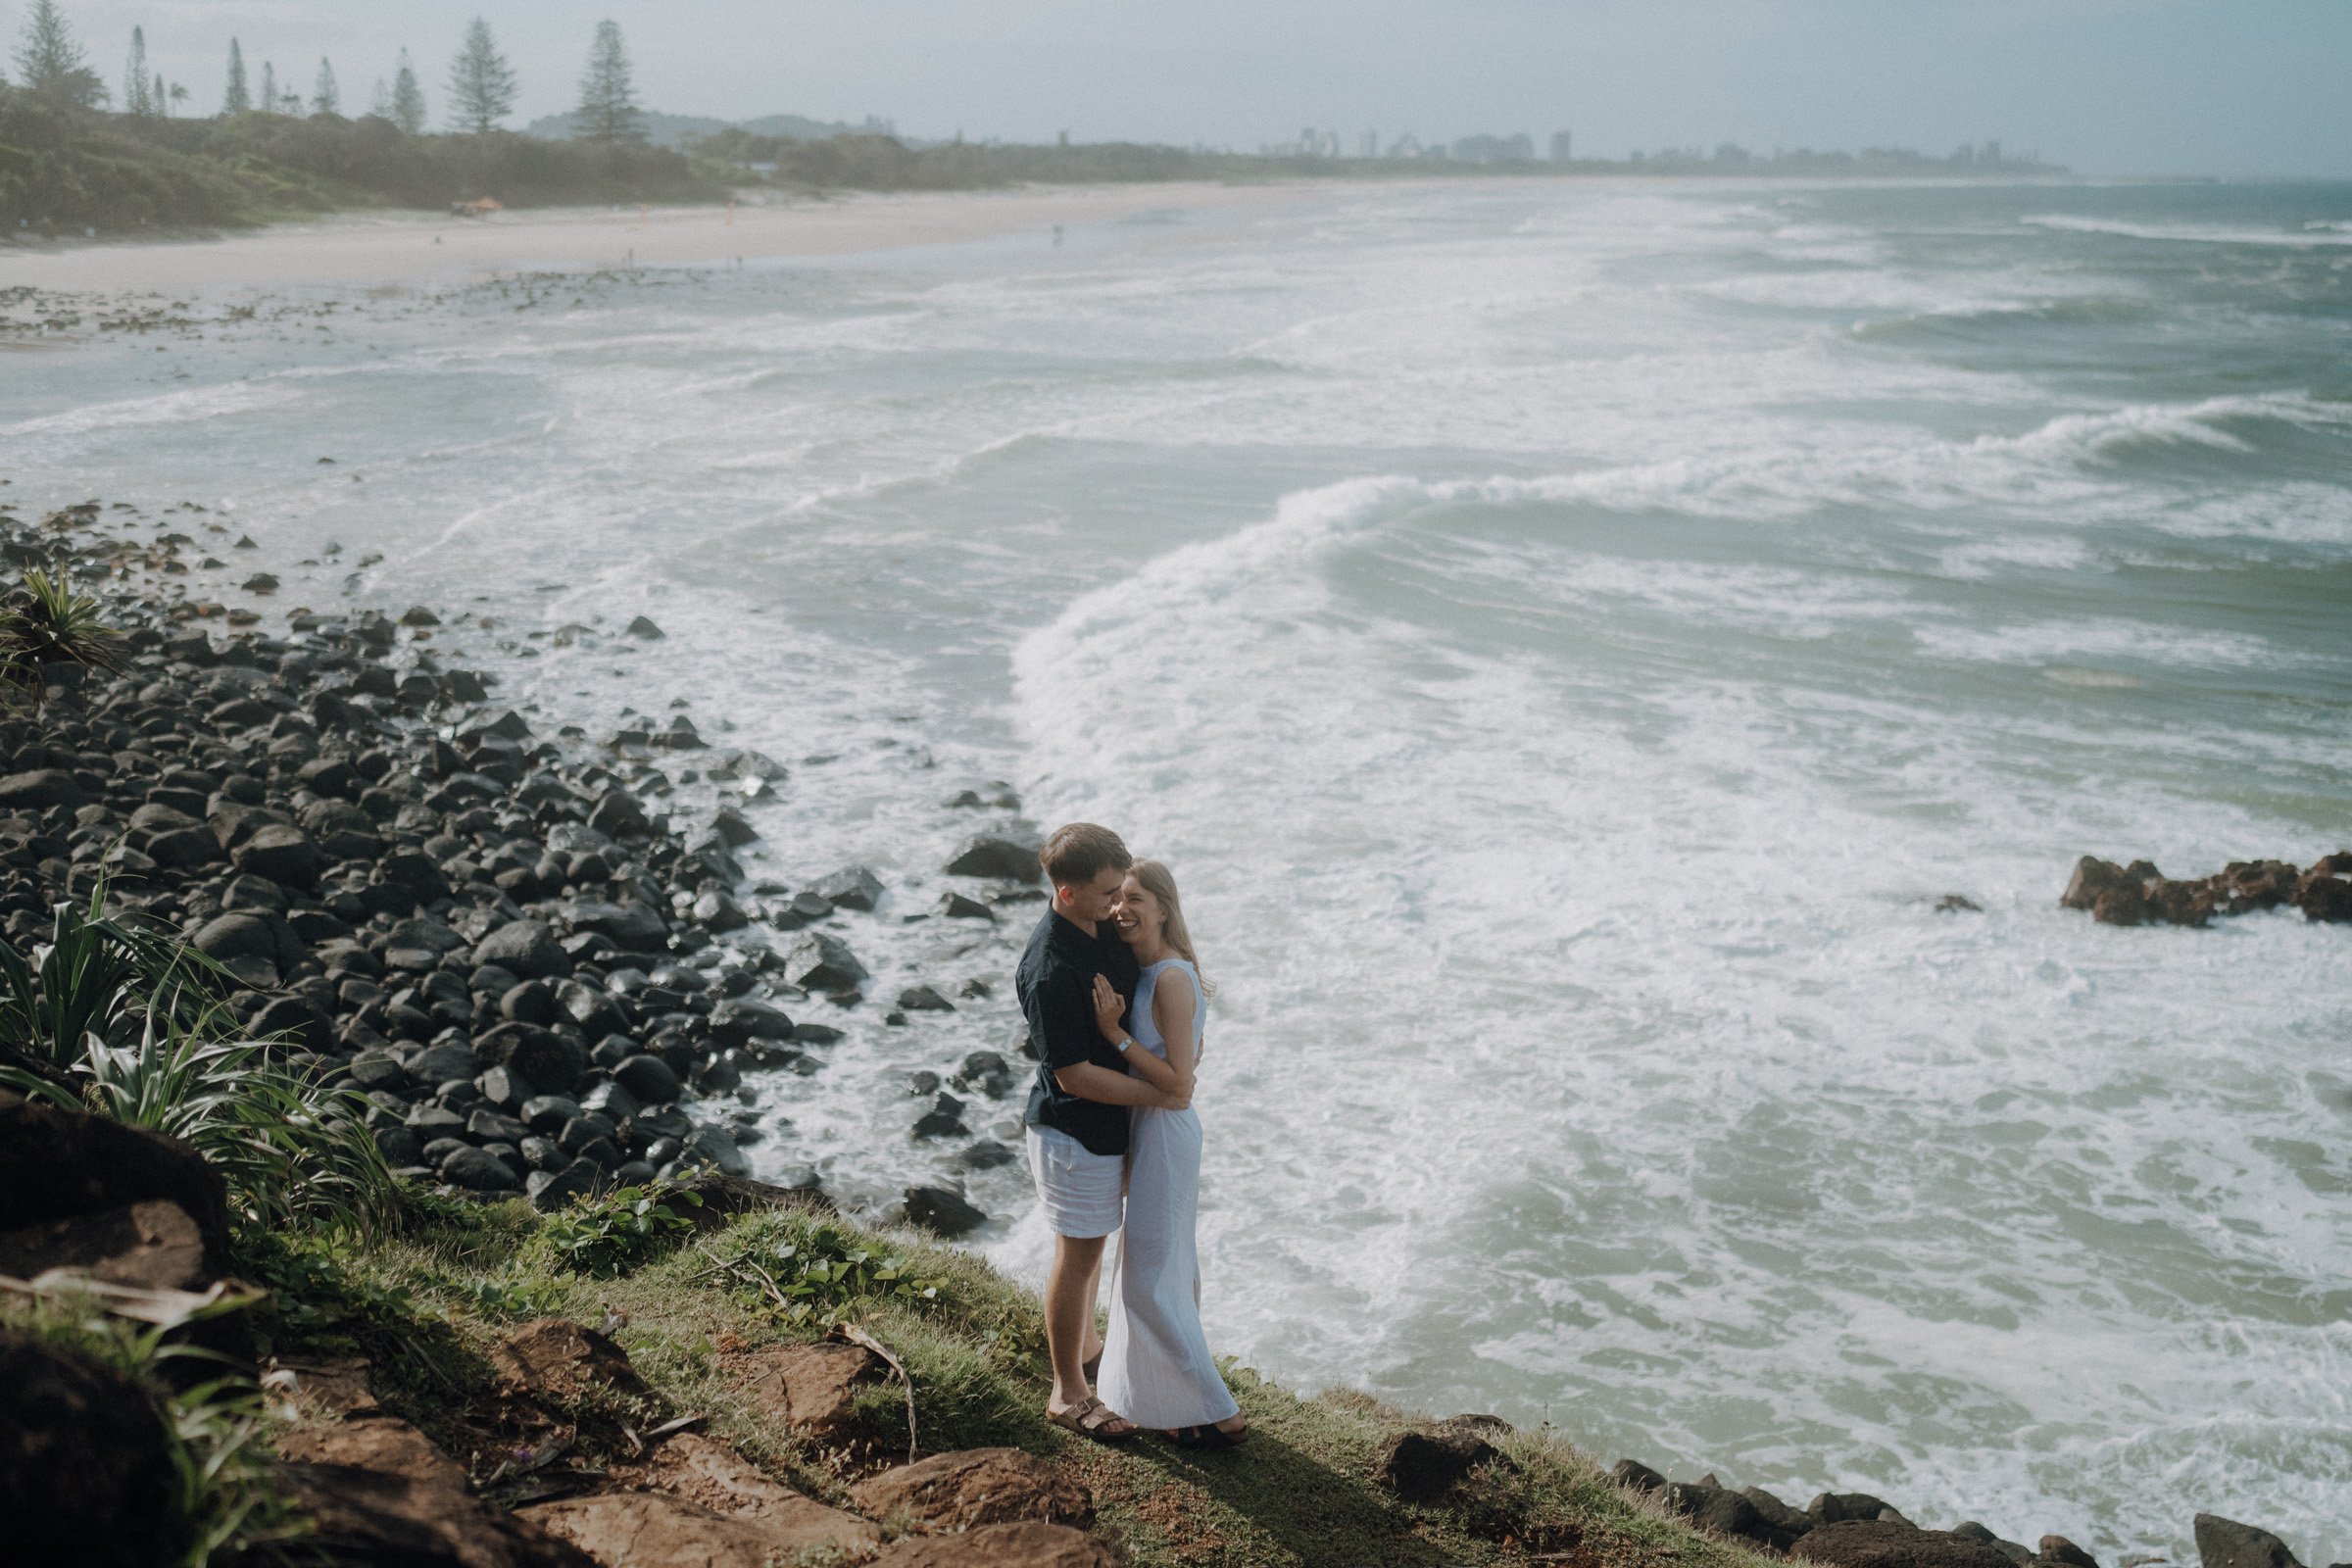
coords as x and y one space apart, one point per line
1107 1087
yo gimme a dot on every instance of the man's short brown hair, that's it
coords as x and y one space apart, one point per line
1080 851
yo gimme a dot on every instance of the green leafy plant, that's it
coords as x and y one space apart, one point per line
512 1298
615 1233
223 1481
129 1024
1014 1342
817 1275
97 977
287 1145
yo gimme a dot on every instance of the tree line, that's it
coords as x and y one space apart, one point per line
482 84
80 155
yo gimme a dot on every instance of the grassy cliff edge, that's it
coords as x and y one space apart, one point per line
427 1309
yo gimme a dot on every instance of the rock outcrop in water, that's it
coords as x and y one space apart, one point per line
2141 894
1855 1530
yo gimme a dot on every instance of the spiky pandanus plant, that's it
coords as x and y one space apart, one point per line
96 976
131 1025
44 623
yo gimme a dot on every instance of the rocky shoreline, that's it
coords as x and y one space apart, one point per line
1837 1529
542 982
1855 1530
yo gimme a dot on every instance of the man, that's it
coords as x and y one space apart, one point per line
1078 1108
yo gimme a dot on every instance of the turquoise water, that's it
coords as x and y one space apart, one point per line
1565 637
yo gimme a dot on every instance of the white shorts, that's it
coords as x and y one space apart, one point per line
1079 1189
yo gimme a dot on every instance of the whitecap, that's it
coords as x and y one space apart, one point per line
191 407
2044 642
2186 232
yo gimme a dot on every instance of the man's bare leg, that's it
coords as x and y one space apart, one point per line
1092 1347
1070 1315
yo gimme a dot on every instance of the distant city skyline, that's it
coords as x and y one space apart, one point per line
2105 86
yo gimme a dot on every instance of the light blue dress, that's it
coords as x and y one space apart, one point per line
1157 1370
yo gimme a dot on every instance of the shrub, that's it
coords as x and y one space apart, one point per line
45 622
514 1296
286 1146
72 168
98 977
621 1230
803 1271
124 1023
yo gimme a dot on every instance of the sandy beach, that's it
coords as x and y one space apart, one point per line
423 246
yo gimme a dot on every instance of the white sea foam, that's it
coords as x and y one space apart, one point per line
2189 232
2300 513
2045 641
194 405
1520 823
1983 557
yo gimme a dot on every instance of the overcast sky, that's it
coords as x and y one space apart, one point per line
2106 86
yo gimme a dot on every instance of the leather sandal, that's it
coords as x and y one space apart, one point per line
1092 1418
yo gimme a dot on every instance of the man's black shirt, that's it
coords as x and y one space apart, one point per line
1055 982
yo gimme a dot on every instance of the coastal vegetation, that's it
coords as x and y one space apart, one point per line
864 161
67 169
72 164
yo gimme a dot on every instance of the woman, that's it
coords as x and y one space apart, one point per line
1157 1369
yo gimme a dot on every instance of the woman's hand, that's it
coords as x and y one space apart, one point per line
1109 1005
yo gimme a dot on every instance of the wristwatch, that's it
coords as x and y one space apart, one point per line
1124 1044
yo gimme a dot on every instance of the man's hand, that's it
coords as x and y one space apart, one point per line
1108 1006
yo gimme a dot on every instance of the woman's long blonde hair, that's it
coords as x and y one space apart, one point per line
1160 882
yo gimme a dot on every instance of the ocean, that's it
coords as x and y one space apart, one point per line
1566 637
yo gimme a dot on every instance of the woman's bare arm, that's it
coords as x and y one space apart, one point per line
1172 1011
1109 1005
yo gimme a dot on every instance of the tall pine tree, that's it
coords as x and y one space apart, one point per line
608 109
482 84
238 98
407 99
325 97
51 62
135 76
269 87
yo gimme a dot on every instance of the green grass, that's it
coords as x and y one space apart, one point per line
1296 1494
